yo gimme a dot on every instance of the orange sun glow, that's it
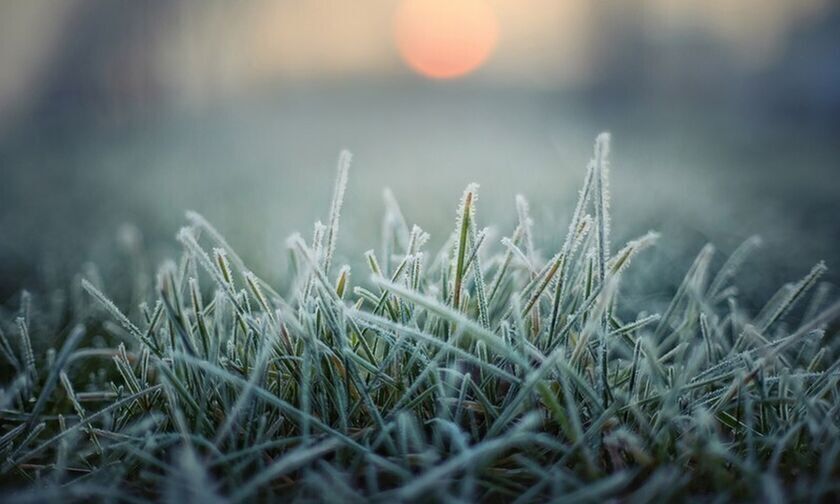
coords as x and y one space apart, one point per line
444 39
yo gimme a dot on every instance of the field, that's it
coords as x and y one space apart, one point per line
494 368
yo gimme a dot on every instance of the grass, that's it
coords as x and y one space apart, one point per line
481 372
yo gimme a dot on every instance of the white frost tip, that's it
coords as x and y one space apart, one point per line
185 233
344 159
602 144
293 240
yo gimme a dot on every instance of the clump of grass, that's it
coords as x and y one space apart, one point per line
478 373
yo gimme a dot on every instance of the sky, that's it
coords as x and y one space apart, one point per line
201 51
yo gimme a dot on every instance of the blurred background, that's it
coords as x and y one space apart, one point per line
117 116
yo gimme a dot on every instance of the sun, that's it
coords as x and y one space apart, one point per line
444 39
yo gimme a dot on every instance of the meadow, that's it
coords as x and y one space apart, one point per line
491 369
